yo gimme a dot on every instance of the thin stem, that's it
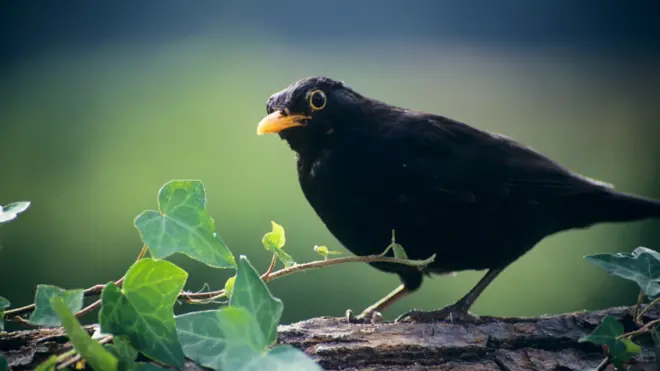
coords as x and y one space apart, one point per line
192 299
642 330
66 355
654 302
323 263
119 282
603 365
212 295
76 357
270 267
91 291
640 299
88 308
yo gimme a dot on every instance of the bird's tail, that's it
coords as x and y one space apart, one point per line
585 210
613 206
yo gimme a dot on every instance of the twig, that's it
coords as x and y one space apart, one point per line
654 302
66 355
76 356
119 282
13 314
213 295
270 267
603 365
89 308
351 259
642 330
640 299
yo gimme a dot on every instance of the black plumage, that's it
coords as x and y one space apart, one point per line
477 200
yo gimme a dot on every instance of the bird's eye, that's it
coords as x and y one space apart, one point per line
317 100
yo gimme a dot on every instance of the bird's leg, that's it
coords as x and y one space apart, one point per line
457 311
372 313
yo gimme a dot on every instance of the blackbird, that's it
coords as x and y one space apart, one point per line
477 200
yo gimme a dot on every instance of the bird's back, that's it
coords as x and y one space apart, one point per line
477 200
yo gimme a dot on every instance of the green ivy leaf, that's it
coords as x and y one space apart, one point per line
10 211
605 333
630 347
399 252
397 249
43 314
147 367
274 242
122 349
324 251
4 365
276 239
143 309
90 350
48 365
183 226
642 266
4 304
655 334
620 350
283 358
224 339
229 286
251 293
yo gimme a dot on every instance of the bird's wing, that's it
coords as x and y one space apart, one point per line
459 160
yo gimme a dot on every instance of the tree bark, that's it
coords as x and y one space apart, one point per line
492 343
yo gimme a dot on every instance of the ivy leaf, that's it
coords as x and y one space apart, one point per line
4 304
608 330
183 226
399 252
223 339
143 309
274 242
47 365
229 286
147 367
630 347
283 358
43 314
642 266
251 293
397 249
324 251
620 350
122 349
276 239
90 350
10 211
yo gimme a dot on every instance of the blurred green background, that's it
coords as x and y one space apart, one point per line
101 106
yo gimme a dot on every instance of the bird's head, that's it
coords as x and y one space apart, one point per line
308 112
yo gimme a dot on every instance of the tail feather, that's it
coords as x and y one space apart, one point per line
584 210
615 206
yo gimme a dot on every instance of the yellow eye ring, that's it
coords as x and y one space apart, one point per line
317 100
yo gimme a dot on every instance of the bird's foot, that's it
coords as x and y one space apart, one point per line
366 317
451 313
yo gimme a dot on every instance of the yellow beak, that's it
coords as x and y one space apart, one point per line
276 122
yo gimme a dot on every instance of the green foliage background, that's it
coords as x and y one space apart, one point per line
90 135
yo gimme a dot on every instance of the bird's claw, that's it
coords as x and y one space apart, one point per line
450 314
364 317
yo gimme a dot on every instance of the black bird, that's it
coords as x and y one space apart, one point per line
478 200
